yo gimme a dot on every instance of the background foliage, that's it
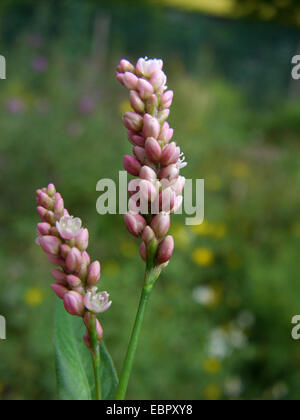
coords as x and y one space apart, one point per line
219 323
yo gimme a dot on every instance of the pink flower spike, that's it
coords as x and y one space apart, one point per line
94 273
161 224
130 80
135 223
165 250
153 149
73 303
59 290
50 244
151 126
131 165
82 240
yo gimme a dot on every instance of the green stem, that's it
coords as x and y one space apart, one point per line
95 357
150 278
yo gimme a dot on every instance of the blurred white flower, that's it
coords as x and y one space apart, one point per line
204 295
233 387
218 344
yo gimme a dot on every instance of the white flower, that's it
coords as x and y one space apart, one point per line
181 162
96 302
148 67
69 227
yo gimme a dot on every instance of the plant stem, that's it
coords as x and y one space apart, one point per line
95 357
150 278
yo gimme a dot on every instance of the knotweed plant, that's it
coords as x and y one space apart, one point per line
155 192
156 161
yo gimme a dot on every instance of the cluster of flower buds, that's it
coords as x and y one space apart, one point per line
65 244
156 160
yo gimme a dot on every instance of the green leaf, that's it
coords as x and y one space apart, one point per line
75 377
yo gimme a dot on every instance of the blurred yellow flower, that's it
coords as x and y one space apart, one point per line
203 256
218 230
211 365
215 230
212 392
240 170
234 261
128 249
181 236
34 296
111 268
125 107
202 230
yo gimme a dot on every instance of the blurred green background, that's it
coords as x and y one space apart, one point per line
219 322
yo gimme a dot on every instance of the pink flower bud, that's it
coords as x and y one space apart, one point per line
73 302
135 223
133 121
42 212
125 65
151 104
130 80
151 126
87 341
165 250
86 260
166 99
50 244
73 281
131 165
59 207
161 224
143 251
158 80
135 139
166 133
167 200
178 203
59 290
153 149
162 116
179 185
64 250
136 102
148 235
73 260
169 172
148 190
82 240
147 173
139 153
58 275
87 322
120 77
170 154
51 190
94 273
43 229
49 217
145 89
55 260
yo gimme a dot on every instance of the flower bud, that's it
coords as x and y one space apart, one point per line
51 190
73 281
73 260
130 80
59 207
85 258
153 149
169 172
120 77
135 223
55 260
165 250
87 322
139 153
145 89
124 66
131 165
59 290
147 173
133 121
43 229
136 102
82 240
178 203
161 224
151 104
94 272
42 212
59 276
151 126
148 190
166 99
44 200
50 244
170 154
73 303
135 139
166 133
148 235
167 199
163 115
179 185
158 80
143 251
64 250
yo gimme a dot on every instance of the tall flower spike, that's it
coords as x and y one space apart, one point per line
155 159
64 242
